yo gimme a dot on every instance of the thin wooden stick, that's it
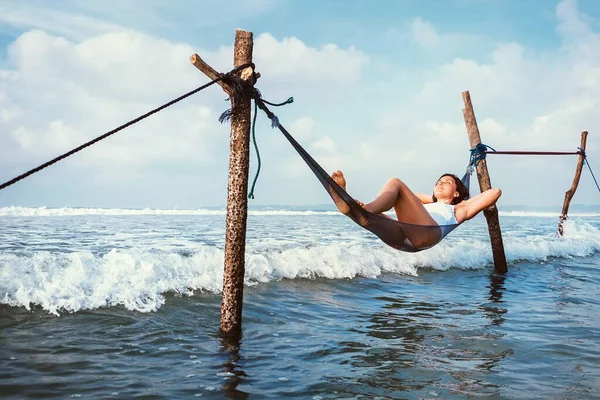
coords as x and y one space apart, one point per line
213 74
208 71
571 192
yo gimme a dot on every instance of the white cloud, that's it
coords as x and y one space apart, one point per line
57 93
113 64
7 115
61 87
524 99
444 129
67 93
26 15
297 67
424 33
302 128
572 23
324 144
431 44
505 78
78 20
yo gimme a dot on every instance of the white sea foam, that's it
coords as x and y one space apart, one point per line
69 211
579 240
138 279
13 211
538 214
77 281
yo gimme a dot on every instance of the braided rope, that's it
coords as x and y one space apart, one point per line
120 128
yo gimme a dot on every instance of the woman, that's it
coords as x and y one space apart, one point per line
447 205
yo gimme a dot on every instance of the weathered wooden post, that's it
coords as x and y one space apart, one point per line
237 200
491 213
237 187
571 192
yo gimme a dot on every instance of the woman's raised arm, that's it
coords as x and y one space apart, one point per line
470 208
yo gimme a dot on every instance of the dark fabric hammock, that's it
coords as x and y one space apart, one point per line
399 235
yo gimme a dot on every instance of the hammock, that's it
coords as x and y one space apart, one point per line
399 235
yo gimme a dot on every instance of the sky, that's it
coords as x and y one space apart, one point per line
377 90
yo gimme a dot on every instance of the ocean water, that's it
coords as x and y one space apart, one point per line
98 303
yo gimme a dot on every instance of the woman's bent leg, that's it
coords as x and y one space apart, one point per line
395 194
424 231
409 209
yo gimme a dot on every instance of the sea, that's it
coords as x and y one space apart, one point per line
125 304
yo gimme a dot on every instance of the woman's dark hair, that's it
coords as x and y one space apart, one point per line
463 192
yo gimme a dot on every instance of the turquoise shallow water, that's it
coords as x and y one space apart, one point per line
127 306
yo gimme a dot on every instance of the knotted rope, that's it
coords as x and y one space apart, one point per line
222 77
240 88
585 161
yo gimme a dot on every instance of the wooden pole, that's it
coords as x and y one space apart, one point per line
571 192
491 213
237 200
237 185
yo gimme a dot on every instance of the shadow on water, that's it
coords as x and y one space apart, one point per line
429 346
492 310
234 375
394 347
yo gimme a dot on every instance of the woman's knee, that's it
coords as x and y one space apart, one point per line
396 182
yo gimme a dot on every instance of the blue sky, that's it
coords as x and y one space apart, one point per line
377 88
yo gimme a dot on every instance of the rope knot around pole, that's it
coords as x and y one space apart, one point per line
241 88
479 153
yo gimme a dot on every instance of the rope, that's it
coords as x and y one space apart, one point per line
585 161
283 103
591 172
479 153
303 153
251 194
535 153
239 89
109 133
257 93
481 150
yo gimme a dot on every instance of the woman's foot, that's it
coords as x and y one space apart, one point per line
344 208
338 177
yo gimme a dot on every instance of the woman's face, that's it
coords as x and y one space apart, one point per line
445 188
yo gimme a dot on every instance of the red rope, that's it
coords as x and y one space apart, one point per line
535 153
